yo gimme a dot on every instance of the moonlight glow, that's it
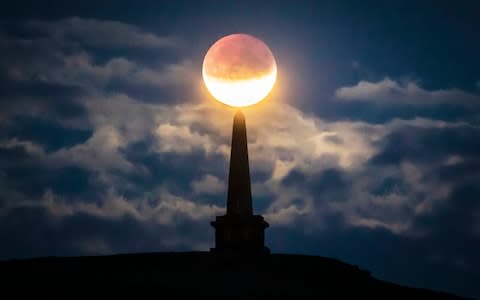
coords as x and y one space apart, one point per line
239 70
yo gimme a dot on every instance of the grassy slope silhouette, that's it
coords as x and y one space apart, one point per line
200 275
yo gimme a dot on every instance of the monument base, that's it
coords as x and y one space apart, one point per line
240 234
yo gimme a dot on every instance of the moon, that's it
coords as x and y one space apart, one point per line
239 70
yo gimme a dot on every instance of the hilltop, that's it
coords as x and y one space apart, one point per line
199 275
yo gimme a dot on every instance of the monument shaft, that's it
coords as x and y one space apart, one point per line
239 231
239 200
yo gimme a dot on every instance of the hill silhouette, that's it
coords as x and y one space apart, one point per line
200 275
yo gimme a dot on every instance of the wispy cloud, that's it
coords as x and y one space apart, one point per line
409 92
101 33
161 208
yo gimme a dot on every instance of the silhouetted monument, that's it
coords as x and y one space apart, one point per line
239 230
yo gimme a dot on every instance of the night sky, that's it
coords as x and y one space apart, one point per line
367 150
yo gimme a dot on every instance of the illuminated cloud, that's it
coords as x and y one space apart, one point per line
208 184
100 152
180 139
302 144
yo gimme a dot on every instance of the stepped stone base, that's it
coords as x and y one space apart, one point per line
240 234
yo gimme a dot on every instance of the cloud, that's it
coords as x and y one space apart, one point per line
390 200
303 144
308 146
409 92
100 152
29 147
418 168
163 208
181 139
52 60
101 33
208 184
51 78
79 69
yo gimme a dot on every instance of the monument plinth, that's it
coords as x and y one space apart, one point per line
239 230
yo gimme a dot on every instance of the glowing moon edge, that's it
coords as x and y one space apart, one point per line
240 93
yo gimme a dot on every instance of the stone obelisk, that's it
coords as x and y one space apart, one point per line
239 231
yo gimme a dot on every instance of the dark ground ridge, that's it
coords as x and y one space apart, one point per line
201 275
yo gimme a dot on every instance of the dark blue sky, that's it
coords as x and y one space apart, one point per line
366 151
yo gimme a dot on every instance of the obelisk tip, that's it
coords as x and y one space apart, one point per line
239 114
